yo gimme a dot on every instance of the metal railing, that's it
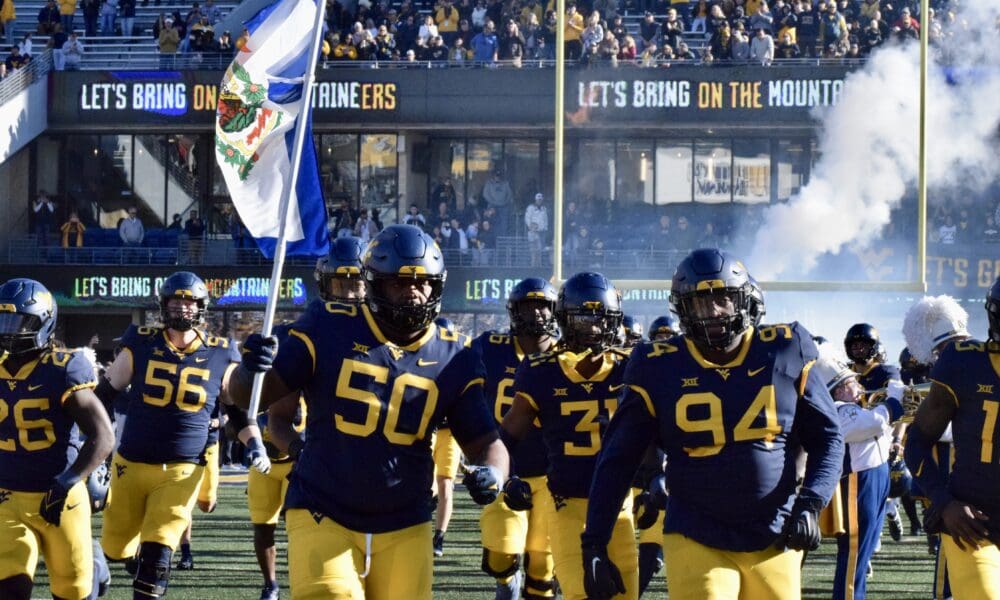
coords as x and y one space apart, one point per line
16 82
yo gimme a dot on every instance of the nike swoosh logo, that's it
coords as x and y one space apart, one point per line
593 566
751 373
32 388
425 363
200 360
72 506
615 388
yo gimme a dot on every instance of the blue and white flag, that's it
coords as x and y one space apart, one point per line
260 101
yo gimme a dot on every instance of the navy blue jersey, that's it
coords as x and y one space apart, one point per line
500 355
877 376
572 411
372 408
172 396
38 439
970 370
732 432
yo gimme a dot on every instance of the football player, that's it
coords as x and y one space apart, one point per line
865 481
378 379
338 279
731 405
633 332
862 346
176 373
663 328
964 393
507 533
573 392
46 400
447 456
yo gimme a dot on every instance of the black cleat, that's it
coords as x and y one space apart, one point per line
895 527
271 591
131 566
186 563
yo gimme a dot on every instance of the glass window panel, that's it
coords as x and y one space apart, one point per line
338 168
82 168
379 181
793 164
713 162
592 173
673 172
185 170
521 157
483 157
447 160
752 171
634 172
150 175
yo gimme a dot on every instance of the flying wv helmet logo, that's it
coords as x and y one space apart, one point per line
11 384
587 386
243 121
594 305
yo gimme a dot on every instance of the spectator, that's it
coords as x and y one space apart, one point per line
465 33
762 19
512 44
437 51
344 50
947 230
871 37
499 197
787 48
109 9
683 10
175 224
15 61
684 236
91 12
627 52
446 18
343 220
991 234
458 240
458 53
716 18
572 32
607 51
906 28
648 31
73 52
905 21
471 213
225 46
130 229
618 28
194 227
45 211
807 32
479 16
385 43
48 16
168 42
56 42
672 29
536 218
8 19
831 25
662 235
443 214
648 57
699 21
593 33
762 48
365 228
427 31
485 46
436 234
740 47
66 10
487 242
721 42
787 22
406 34
211 12
27 47
444 192
72 227
682 52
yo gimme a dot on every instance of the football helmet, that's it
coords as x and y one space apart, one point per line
589 301
98 484
703 279
401 252
900 479
633 331
533 289
993 310
342 262
865 333
757 310
27 316
187 286
664 327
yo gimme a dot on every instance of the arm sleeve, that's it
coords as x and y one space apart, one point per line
295 362
237 416
919 456
819 433
234 351
629 434
468 416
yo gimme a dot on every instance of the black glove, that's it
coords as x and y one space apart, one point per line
258 353
517 494
483 483
645 511
55 497
802 527
295 448
601 578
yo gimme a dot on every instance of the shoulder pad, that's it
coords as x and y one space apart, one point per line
58 358
216 342
795 347
655 349
539 358
341 308
138 334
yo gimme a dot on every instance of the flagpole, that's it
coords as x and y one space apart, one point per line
286 193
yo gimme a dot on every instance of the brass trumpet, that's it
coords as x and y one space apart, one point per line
913 395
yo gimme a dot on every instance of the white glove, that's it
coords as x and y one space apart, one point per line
257 456
895 389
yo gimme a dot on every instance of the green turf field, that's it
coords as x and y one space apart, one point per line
225 567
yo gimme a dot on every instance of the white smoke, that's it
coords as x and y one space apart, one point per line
869 146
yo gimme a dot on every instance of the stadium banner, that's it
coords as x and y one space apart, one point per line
965 272
348 97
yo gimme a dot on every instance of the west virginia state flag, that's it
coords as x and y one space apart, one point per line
260 101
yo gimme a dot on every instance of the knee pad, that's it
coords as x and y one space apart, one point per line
263 535
153 573
17 587
500 566
538 582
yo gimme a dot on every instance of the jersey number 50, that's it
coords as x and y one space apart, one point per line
397 397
